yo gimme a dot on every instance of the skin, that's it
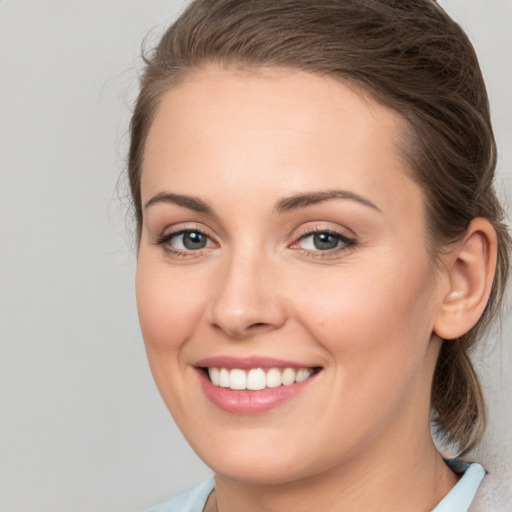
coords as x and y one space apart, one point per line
357 437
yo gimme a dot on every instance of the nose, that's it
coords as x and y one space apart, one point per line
247 299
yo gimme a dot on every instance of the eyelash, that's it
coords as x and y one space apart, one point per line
164 241
345 243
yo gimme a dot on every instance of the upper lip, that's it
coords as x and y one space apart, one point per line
250 362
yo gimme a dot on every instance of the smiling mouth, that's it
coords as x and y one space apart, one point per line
257 379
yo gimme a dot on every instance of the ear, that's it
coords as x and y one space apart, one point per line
470 268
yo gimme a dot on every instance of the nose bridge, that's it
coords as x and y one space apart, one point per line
247 299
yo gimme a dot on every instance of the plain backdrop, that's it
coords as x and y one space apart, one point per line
82 427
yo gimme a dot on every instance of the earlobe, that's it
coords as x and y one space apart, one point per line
470 272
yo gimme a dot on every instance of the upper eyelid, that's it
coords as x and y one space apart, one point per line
184 228
319 228
300 233
341 236
164 242
166 237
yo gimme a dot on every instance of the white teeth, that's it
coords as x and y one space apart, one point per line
288 376
224 378
273 378
256 379
302 374
237 379
214 376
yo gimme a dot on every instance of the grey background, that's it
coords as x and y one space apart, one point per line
82 427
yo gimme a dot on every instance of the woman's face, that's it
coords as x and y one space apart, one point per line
283 248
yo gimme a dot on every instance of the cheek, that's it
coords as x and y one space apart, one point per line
376 329
169 305
383 311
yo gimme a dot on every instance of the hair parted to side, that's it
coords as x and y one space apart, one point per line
411 57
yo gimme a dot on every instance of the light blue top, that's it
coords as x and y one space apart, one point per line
459 499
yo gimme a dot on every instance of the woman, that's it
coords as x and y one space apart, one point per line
320 247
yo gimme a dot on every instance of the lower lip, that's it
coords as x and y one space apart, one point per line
251 402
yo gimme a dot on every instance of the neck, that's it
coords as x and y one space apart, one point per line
411 479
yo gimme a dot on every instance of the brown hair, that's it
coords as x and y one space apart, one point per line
411 57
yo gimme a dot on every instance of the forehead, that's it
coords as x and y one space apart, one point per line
273 127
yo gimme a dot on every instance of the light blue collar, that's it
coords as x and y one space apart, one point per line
459 499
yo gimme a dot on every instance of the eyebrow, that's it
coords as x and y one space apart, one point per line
308 199
283 205
192 203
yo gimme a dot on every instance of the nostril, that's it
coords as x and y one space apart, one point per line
257 325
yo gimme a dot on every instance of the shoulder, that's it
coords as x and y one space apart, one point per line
191 500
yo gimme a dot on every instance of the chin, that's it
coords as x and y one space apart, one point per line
267 461
250 472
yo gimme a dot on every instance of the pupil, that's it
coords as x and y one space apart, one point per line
194 240
325 241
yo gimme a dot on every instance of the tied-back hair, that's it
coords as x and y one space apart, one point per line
410 56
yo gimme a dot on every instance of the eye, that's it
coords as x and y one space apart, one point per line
324 241
186 240
191 240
